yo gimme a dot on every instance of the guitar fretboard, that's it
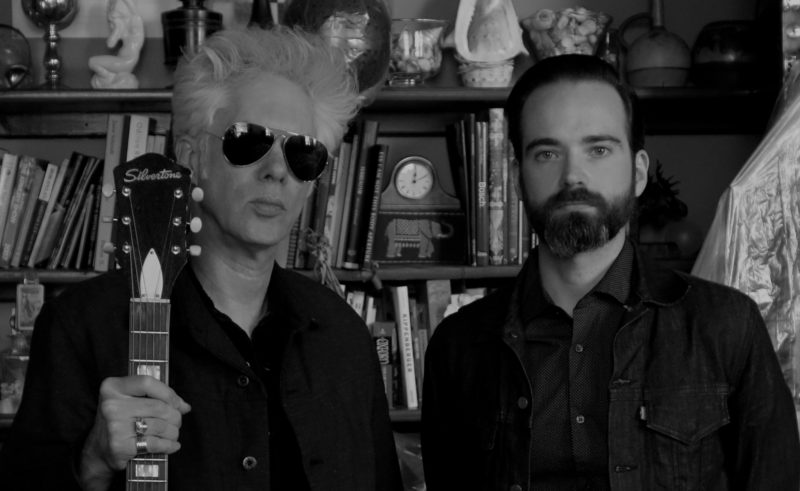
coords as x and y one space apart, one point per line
148 342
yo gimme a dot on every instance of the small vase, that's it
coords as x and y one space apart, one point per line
658 58
725 55
186 28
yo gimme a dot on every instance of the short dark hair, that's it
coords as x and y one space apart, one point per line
573 68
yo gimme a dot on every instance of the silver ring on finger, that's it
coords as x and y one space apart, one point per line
139 426
141 445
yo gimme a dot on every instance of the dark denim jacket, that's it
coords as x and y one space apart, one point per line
697 398
330 382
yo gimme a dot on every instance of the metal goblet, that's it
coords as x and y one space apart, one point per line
51 15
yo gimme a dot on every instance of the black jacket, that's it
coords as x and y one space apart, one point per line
697 398
331 387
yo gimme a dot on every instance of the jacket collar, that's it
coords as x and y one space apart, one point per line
656 284
286 294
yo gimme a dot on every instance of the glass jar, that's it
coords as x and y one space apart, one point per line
13 365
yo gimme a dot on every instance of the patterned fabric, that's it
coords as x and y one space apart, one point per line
754 242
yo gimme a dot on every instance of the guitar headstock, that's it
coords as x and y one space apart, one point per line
152 207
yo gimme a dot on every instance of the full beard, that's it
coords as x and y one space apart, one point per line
569 233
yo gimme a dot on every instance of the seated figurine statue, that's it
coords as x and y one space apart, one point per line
114 71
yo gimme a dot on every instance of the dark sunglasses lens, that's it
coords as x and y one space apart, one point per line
245 144
306 156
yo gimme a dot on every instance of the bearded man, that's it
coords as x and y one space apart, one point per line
597 370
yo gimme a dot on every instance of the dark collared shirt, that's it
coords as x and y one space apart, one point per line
569 362
264 353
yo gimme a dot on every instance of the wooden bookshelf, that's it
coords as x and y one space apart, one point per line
669 110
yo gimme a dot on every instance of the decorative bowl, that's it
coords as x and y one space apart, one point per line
559 32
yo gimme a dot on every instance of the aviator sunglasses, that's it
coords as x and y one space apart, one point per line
244 144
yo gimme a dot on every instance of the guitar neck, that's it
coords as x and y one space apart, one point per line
148 345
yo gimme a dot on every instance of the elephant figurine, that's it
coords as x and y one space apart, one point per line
413 233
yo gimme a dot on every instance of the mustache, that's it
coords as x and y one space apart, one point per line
572 195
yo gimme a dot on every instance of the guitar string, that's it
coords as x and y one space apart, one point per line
135 265
155 344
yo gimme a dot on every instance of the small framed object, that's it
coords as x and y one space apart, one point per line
418 221
30 297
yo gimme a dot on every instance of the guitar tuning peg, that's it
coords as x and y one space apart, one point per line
195 224
108 190
195 250
108 248
197 194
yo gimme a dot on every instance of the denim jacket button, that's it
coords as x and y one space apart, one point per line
243 380
515 487
522 402
249 463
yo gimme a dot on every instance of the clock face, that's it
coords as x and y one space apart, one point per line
414 179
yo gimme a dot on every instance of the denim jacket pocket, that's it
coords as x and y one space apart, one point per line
682 440
687 414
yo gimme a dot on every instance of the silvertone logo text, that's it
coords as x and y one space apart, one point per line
137 175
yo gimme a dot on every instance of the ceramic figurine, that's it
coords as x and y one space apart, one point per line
127 28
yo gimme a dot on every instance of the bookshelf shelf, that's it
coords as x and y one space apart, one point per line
670 110
45 275
427 272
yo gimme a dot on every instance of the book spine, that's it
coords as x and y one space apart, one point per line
469 130
40 208
383 335
482 211
84 224
114 144
74 239
379 155
496 204
138 129
333 213
71 216
37 177
347 200
8 174
403 320
512 210
95 218
22 187
355 238
321 203
525 234
39 243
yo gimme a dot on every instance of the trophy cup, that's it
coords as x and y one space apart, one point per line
51 15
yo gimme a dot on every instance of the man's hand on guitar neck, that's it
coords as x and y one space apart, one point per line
112 441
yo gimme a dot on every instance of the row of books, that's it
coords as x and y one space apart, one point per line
342 210
344 207
57 215
481 156
402 321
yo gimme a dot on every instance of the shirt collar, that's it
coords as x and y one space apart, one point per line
616 282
